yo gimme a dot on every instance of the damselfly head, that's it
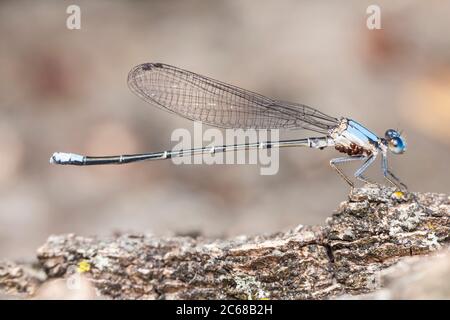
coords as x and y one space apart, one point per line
396 143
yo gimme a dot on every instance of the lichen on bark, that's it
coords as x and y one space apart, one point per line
369 233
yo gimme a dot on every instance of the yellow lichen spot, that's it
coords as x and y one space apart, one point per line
83 266
398 194
263 299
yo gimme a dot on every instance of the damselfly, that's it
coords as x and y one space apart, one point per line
218 104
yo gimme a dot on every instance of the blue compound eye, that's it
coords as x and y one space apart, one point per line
391 133
397 145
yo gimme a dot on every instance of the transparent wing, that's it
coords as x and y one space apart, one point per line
218 104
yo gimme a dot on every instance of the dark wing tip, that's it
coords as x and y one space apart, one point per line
141 68
137 83
138 70
145 67
150 66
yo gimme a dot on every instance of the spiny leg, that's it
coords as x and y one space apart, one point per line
363 168
334 162
389 176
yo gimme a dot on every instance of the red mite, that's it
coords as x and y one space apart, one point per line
353 150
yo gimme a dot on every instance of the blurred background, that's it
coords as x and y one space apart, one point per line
65 90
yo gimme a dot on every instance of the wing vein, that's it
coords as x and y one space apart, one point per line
216 103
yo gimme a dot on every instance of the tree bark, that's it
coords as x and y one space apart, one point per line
352 254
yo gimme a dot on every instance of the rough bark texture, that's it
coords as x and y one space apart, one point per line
356 252
19 279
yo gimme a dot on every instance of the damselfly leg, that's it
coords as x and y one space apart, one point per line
359 173
389 176
336 161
